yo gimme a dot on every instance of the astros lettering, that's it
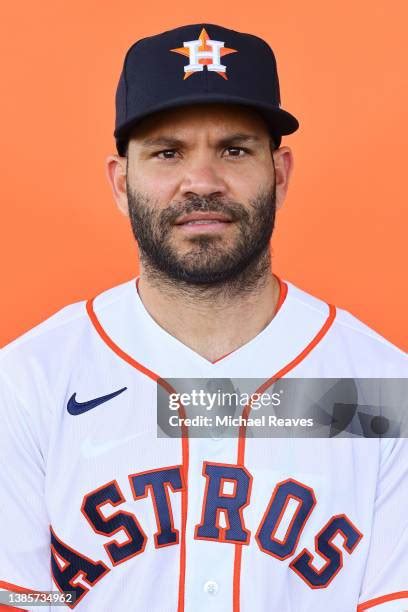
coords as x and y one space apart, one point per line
67 563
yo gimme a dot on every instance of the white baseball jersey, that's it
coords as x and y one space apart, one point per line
92 501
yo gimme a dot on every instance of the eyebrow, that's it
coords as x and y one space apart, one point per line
168 141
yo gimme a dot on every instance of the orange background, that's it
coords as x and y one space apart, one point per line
342 65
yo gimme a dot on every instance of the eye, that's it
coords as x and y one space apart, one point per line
236 151
166 154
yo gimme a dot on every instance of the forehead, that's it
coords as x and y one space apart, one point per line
220 119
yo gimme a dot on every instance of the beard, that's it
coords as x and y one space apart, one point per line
208 263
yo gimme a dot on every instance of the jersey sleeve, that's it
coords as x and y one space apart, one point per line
385 584
24 525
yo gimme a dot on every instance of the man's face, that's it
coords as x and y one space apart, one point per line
201 193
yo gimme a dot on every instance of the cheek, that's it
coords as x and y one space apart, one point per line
246 183
158 188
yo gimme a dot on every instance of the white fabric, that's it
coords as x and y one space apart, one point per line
51 459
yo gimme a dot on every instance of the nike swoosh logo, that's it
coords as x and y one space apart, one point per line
76 408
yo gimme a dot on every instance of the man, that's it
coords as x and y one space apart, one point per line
135 521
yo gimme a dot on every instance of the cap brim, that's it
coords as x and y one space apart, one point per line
279 121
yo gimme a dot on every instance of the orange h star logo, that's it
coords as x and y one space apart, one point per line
204 52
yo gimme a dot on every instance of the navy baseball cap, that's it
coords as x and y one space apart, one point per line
196 64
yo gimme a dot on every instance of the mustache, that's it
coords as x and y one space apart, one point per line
234 210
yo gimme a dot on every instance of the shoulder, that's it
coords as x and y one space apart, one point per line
350 340
60 336
38 369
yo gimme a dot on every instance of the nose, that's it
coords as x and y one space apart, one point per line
202 178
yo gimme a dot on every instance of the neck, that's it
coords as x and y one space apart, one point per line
211 320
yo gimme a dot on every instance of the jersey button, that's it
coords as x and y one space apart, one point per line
211 587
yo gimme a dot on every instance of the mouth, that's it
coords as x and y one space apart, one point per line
205 221
203 217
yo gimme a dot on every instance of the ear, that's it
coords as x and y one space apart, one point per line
116 173
283 160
